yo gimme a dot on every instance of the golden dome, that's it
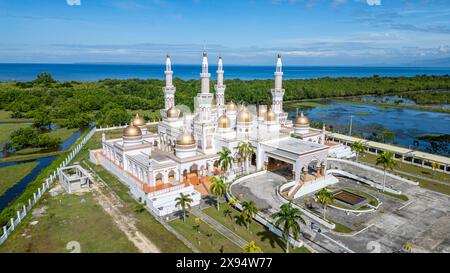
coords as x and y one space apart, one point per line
262 110
224 122
132 131
185 139
244 116
231 106
172 112
301 121
270 116
138 120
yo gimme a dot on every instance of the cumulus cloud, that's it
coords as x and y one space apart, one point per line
374 2
73 2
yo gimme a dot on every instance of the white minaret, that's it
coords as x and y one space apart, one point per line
278 91
205 75
169 89
220 87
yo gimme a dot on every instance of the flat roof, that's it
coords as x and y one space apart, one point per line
395 149
294 145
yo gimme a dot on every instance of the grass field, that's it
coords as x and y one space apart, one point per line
7 129
5 117
63 133
65 218
145 222
10 175
418 171
207 240
264 238
308 104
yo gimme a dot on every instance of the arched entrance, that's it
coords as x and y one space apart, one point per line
171 175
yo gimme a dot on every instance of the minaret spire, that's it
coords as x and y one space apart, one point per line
169 89
278 91
205 75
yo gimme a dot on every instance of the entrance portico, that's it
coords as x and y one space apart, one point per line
301 158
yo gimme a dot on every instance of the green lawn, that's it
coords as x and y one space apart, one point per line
66 218
207 240
264 238
7 129
63 133
311 104
10 175
416 170
5 117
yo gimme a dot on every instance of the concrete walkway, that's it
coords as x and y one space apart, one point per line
220 228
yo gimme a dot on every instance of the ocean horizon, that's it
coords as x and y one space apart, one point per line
100 71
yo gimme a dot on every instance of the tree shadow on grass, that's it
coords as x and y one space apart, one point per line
273 239
210 200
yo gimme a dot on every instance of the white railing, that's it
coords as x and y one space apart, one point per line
120 126
14 222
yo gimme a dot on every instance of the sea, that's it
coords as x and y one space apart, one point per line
95 72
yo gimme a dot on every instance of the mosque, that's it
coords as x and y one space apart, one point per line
184 154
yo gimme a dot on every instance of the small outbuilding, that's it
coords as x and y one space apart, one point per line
74 179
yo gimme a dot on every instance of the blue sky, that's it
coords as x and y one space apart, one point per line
307 32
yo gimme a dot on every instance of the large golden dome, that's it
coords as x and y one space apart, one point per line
138 120
132 131
301 121
185 139
224 122
270 116
231 106
172 112
244 116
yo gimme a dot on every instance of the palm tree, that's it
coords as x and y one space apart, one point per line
184 202
218 187
228 213
225 159
359 149
251 247
435 166
245 151
233 202
325 197
249 210
288 216
386 159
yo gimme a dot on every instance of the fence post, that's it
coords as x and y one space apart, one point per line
24 209
18 215
34 196
4 231
29 202
39 191
12 224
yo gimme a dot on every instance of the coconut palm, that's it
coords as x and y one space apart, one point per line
225 159
435 166
325 197
386 159
218 187
184 202
358 148
227 213
249 210
245 152
289 217
251 247
233 202
408 246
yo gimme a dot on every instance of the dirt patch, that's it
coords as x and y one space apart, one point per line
37 212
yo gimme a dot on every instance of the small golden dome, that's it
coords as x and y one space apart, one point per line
138 120
301 121
132 131
224 122
262 110
172 112
270 116
185 139
244 116
231 106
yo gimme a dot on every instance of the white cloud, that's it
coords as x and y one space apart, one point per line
374 2
73 2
